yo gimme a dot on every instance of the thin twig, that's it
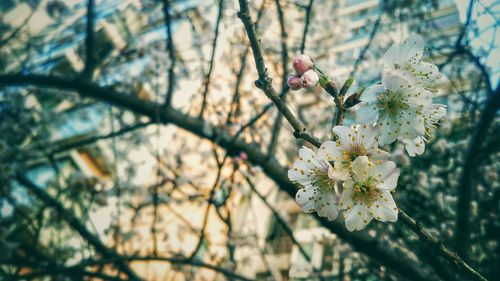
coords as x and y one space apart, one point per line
212 57
75 223
284 85
233 108
284 225
471 163
363 52
201 239
437 246
171 53
306 26
90 59
264 81
400 263
14 33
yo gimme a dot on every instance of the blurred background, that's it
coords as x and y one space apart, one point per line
135 146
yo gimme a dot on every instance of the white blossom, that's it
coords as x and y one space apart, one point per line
401 111
406 61
351 143
314 174
367 194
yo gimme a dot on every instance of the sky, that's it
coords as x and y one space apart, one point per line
483 15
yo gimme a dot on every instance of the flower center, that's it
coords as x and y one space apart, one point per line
351 154
365 192
323 181
392 102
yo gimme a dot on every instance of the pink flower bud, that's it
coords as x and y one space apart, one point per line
302 63
294 82
309 79
243 156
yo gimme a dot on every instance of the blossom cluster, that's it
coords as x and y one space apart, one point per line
352 173
305 76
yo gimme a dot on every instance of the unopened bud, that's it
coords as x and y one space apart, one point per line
352 100
243 156
294 82
302 63
309 79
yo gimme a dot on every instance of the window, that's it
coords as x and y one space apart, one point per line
284 275
7 5
43 174
447 21
301 260
328 255
77 122
264 276
305 221
278 237
349 3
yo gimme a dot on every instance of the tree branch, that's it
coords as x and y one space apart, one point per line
212 56
264 81
306 26
362 54
90 42
284 78
171 53
75 223
438 247
471 163
360 241
283 224
176 260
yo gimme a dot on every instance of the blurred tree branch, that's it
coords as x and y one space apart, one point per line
90 59
264 83
208 76
284 86
282 222
306 26
469 168
171 53
75 223
360 241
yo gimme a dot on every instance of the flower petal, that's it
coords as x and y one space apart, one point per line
299 177
338 174
391 57
306 197
370 94
426 73
414 147
401 73
326 205
379 154
417 96
330 151
390 182
309 158
367 113
395 83
367 136
357 217
412 125
347 193
412 48
389 129
383 170
361 168
344 134
384 209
